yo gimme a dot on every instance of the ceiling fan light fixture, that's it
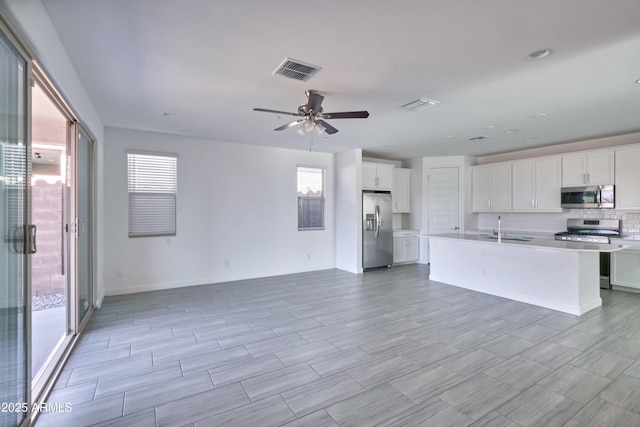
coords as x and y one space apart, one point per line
307 125
320 128
420 104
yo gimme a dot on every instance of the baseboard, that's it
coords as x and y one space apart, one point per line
100 301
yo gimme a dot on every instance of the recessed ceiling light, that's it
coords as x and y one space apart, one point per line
389 146
420 104
169 114
511 131
637 81
531 138
539 115
539 54
449 136
489 127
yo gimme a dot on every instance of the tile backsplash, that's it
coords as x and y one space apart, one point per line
554 222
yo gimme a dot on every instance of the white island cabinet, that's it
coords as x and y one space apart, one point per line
559 275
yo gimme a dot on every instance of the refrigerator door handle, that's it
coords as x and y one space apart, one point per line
378 221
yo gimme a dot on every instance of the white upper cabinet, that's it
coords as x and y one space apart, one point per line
377 176
491 188
401 190
536 185
627 179
588 169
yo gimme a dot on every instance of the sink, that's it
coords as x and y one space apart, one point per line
515 239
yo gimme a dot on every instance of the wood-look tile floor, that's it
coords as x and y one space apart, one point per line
331 348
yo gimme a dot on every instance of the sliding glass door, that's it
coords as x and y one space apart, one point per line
61 271
84 224
46 182
16 233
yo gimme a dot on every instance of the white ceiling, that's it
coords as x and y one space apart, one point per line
210 63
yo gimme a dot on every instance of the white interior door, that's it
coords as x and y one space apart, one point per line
443 200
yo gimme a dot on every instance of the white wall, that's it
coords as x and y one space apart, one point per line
349 211
236 219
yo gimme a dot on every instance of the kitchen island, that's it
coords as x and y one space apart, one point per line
559 275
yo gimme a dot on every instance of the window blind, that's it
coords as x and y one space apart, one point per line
310 198
152 181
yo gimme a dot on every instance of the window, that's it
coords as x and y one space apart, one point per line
310 198
153 187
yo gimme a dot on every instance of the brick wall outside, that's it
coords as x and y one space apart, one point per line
46 266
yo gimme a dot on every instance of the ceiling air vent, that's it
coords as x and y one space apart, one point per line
420 104
296 70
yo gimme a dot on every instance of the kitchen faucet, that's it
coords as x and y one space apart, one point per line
499 232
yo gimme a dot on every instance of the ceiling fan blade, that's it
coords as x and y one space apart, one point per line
288 125
347 115
327 127
264 110
315 101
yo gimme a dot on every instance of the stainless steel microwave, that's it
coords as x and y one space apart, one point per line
588 197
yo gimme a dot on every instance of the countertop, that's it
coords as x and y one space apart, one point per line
537 243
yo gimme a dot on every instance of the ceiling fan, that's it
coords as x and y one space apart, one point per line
311 115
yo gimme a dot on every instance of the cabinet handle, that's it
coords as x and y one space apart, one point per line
533 202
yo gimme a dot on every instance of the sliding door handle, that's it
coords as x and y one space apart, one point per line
31 239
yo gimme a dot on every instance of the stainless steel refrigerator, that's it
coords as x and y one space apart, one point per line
377 230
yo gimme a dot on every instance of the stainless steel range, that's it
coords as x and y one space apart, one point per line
590 230
594 231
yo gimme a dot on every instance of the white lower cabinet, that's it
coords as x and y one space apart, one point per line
625 267
405 246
